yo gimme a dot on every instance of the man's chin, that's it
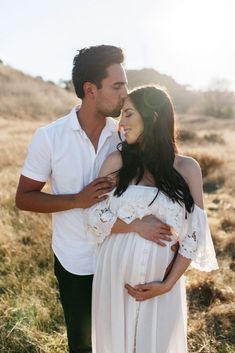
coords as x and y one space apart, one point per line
115 114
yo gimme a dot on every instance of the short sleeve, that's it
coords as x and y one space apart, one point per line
37 164
197 244
99 220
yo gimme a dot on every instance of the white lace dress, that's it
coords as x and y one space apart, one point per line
119 323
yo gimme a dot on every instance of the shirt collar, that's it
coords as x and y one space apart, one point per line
74 122
111 125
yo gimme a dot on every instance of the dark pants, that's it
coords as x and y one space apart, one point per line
75 296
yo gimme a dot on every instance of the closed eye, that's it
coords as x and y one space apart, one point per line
118 86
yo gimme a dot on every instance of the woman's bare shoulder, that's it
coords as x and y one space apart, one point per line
190 170
111 164
187 166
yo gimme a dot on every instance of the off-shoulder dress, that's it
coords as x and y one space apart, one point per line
159 325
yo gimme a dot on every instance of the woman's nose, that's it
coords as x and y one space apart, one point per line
121 123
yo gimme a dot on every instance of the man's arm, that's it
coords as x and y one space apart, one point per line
30 197
36 171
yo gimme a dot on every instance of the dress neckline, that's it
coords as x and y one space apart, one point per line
143 186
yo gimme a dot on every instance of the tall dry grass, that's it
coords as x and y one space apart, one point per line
211 298
30 316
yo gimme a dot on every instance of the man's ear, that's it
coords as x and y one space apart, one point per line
89 89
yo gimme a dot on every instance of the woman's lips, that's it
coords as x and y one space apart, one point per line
125 131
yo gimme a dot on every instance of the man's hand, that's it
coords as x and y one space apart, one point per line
150 228
30 197
94 192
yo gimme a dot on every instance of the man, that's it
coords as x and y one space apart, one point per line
70 153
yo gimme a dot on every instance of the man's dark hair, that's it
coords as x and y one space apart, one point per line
90 65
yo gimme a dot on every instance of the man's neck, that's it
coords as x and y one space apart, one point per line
92 123
90 120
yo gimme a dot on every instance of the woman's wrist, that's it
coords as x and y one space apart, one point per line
135 226
167 285
161 288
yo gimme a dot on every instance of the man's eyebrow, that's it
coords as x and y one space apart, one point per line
120 83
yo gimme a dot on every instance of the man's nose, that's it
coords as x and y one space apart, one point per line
124 92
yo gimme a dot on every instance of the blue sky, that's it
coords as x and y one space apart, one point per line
191 40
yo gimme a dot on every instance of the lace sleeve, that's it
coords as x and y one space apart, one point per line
99 220
197 245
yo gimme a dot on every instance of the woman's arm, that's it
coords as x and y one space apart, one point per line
150 290
192 173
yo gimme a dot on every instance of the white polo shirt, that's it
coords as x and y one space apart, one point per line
63 154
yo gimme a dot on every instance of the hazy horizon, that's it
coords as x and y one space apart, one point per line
186 39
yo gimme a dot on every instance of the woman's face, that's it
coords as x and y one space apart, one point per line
131 123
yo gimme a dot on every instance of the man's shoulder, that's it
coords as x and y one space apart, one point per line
60 122
59 125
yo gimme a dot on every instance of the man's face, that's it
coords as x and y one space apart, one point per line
110 97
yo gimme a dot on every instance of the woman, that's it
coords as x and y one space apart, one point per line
137 308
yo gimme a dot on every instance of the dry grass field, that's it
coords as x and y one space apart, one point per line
211 296
31 320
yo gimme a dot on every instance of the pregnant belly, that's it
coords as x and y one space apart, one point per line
132 259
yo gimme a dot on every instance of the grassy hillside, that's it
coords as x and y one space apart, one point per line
183 98
31 320
24 97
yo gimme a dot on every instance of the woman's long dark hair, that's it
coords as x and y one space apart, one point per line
155 149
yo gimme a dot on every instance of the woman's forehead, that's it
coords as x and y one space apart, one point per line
128 104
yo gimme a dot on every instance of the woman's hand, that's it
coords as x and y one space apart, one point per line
150 290
151 228
142 292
